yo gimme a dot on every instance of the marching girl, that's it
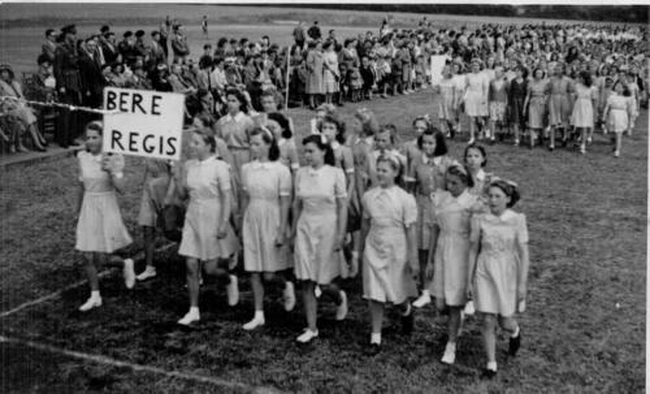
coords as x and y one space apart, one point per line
385 141
446 105
497 101
320 216
207 234
458 79
536 104
410 148
333 129
582 117
633 88
100 230
234 128
280 126
154 191
450 250
267 187
426 177
498 269
559 105
388 247
475 159
616 114
475 98
516 102
364 127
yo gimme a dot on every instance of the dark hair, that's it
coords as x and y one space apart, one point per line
43 58
207 120
586 77
538 69
48 32
317 140
368 122
269 139
97 126
239 95
508 189
479 148
462 173
399 180
284 123
441 143
392 130
208 138
340 126
422 119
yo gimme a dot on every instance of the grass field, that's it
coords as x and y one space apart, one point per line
587 223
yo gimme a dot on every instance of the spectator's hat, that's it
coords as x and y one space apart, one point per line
69 29
139 33
7 67
42 59
127 34
104 29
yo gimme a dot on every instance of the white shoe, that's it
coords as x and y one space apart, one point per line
190 318
617 153
233 291
424 299
253 324
129 273
342 309
91 303
289 295
307 336
469 308
317 291
148 273
471 141
450 354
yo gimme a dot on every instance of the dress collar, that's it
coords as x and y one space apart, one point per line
235 118
263 165
506 215
480 175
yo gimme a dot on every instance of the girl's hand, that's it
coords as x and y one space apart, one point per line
339 244
222 232
429 272
279 240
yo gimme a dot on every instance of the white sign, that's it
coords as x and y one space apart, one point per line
148 124
437 64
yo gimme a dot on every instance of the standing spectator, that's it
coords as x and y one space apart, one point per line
204 25
92 80
68 80
331 73
156 54
314 61
49 44
314 32
206 57
107 44
179 45
368 77
127 49
299 35
140 46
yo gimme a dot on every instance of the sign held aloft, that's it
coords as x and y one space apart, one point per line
147 124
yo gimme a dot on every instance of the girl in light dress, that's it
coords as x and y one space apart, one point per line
498 269
475 159
331 75
266 183
633 88
536 98
426 177
559 104
281 128
617 114
388 247
582 117
475 98
207 234
497 102
385 141
100 230
449 250
446 104
410 148
320 222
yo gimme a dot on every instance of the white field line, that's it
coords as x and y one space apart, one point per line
137 367
67 288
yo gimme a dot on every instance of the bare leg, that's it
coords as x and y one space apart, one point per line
489 337
376 316
91 270
453 324
192 277
258 291
311 307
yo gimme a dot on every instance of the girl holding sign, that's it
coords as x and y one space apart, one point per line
100 229
207 233
498 268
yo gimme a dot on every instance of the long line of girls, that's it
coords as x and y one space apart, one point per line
502 101
410 217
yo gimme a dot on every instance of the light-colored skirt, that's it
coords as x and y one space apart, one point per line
100 227
260 229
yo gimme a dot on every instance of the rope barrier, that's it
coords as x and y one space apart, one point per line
59 105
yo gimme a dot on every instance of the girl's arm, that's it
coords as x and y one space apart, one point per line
342 221
528 90
80 196
474 242
348 167
411 239
365 228
433 243
226 199
524 261
285 206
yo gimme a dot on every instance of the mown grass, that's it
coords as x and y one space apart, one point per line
587 224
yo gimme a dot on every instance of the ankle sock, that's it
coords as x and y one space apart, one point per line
95 295
515 334
492 366
375 338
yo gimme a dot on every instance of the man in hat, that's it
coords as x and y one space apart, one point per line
156 53
49 44
127 49
68 83
140 47
93 81
314 32
107 46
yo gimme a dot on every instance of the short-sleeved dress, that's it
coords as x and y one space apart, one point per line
447 101
619 110
154 191
205 181
495 282
451 260
265 184
537 104
583 109
476 95
330 72
559 105
385 258
429 176
361 155
316 232
100 227
516 99
235 131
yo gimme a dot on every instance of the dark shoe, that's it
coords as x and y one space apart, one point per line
488 374
373 349
514 345
408 323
